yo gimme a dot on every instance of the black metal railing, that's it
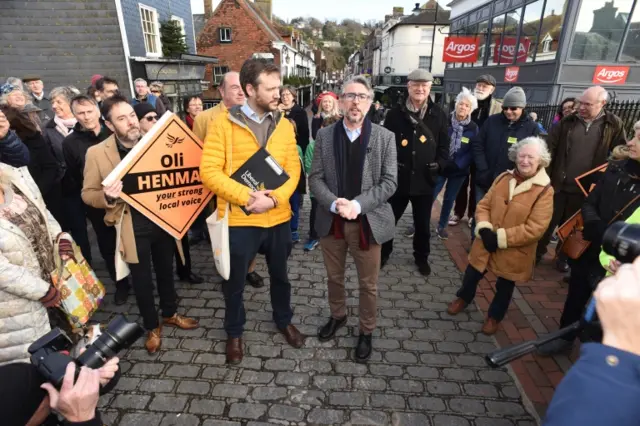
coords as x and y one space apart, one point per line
628 111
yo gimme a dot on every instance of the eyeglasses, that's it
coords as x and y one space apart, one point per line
510 108
151 118
352 96
155 91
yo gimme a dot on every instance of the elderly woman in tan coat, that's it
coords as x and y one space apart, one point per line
511 218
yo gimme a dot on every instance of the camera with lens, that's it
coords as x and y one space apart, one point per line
622 240
50 353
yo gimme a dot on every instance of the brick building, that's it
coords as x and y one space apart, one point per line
67 42
238 30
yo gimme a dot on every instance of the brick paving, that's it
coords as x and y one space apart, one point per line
427 367
534 311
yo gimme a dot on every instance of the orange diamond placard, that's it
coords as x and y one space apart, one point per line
161 176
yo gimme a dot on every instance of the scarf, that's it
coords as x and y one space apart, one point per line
421 112
64 126
189 121
325 114
457 128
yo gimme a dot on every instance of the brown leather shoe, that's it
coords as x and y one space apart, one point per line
234 350
179 321
293 336
456 306
154 341
490 326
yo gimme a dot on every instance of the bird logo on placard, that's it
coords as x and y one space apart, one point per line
261 187
172 140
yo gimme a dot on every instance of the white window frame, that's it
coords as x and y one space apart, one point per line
156 36
546 43
181 22
428 39
217 78
221 33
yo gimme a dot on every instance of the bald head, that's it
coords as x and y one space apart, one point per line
592 102
230 89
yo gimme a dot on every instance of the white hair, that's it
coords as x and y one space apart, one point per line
636 126
359 79
466 94
545 155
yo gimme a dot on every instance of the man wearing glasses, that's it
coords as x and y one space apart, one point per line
354 173
422 142
147 115
498 133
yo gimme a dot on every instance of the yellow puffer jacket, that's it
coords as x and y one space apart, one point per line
214 167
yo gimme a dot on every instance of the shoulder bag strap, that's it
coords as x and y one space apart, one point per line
623 209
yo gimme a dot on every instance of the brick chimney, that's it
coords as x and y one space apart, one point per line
208 8
264 6
398 11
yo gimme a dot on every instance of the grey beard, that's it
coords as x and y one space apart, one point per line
483 96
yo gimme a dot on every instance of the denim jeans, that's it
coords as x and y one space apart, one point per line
450 193
244 243
294 201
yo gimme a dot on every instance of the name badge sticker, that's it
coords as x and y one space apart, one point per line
464 139
512 139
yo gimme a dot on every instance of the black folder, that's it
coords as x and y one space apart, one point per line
260 172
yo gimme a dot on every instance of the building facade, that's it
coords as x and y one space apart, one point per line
563 46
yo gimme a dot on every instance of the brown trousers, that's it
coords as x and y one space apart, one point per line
367 262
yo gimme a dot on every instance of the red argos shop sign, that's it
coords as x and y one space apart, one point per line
511 74
605 74
504 53
460 49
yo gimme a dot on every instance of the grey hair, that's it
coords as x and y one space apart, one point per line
15 81
140 80
157 85
636 126
545 155
4 99
68 92
289 89
359 79
466 94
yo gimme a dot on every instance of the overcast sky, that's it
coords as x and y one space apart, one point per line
362 10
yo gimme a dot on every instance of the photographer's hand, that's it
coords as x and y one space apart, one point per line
76 402
108 371
618 304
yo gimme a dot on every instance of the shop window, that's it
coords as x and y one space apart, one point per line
497 28
550 30
631 49
600 29
482 34
529 31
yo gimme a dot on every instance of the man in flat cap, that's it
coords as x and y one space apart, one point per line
422 142
36 89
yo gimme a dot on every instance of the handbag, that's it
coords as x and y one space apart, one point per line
219 235
574 244
81 292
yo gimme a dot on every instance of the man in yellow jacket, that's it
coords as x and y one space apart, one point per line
232 138
232 95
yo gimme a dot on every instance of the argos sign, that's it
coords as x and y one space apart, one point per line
511 74
505 52
610 75
460 49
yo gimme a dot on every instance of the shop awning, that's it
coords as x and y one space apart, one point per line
380 89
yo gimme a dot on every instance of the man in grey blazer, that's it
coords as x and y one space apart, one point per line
353 174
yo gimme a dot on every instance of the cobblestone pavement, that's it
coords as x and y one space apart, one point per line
427 367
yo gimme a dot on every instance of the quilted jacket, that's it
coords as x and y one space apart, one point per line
23 319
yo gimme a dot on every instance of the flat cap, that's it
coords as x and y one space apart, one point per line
486 78
419 75
30 77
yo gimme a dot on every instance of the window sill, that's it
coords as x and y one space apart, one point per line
153 55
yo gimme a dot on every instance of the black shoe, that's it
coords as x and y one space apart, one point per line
192 278
364 348
562 265
383 261
423 267
327 332
122 292
255 280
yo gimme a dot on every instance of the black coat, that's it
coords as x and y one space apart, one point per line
299 116
316 124
54 140
491 146
43 166
421 151
74 148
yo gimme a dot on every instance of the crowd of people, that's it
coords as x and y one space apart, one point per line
486 154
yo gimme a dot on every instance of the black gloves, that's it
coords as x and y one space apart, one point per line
594 230
489 239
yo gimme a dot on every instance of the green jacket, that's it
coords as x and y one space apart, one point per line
308 158
605 258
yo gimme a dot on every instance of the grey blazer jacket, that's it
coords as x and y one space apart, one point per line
379 181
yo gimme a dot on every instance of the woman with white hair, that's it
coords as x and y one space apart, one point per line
461 131
13 96
510 219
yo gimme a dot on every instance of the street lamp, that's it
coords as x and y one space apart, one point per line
417 10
